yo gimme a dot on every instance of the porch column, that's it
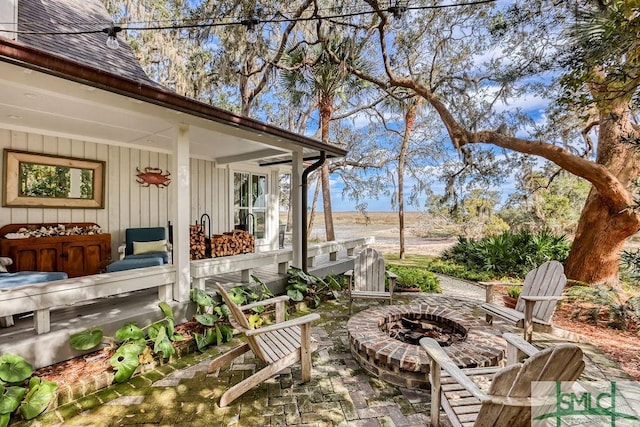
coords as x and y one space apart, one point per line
181 191
296 208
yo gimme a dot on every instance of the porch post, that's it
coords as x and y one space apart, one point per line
181 191
296 208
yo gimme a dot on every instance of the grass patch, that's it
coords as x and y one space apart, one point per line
437 265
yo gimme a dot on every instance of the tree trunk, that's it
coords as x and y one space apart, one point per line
326 109
604 226
601 233
409 120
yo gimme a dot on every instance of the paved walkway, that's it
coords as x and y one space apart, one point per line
340 393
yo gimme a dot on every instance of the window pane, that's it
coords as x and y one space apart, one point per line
259 190
240 219
260 224
241 190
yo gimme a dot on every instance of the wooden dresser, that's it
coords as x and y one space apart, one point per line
78 255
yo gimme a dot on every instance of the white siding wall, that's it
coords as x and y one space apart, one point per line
210 194
127 203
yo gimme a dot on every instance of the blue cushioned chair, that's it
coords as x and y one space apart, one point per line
146 234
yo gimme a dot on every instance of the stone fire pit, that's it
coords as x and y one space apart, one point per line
407 365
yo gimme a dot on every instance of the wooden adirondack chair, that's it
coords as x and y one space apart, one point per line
468 399
279 345
367 279
541 291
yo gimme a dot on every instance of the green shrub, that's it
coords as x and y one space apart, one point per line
133 344
413 277
508 254
20 391
461 271
301 286
514 291
604 304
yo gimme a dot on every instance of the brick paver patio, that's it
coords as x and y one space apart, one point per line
341 393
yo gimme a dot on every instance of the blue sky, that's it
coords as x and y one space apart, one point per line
534 106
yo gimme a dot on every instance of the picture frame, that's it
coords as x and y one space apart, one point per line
38 180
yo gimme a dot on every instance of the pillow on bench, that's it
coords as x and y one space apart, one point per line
140 248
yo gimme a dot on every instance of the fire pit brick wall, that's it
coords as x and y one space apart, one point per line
407 365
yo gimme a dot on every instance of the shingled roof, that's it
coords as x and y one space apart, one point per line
73 16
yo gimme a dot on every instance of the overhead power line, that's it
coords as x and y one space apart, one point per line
188 23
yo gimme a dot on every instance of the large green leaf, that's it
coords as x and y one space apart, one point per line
86 340
166 309
226 332
333 283
177 337
203 341
223 310
169 326
130 331
237 295
295 294
207 319
218 335
163 344
259 309
14 369
255 321
10 399
125 361
153 330
201 298
38 399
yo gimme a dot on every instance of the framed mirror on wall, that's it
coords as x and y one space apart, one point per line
48 181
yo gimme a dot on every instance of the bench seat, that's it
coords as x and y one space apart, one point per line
21 278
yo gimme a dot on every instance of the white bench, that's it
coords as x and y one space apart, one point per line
332 248
42 297
203 269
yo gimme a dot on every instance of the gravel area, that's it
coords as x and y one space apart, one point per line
461 288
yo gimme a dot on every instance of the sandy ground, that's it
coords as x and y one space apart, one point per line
383 227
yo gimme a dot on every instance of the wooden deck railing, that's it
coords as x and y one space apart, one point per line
203 269
42 297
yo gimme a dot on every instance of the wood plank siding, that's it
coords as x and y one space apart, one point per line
128 203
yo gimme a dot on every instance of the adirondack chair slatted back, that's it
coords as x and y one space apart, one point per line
368 271
546 280
240 321
563 362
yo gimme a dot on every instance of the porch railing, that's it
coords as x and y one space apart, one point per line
204 269
42 297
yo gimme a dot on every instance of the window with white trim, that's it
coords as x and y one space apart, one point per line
249 203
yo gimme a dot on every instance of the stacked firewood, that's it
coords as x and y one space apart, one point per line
198 242
232 243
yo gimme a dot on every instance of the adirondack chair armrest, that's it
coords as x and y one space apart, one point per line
488 288
517 345
536 298
269 301
307 318
519 402
441 360
499 284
